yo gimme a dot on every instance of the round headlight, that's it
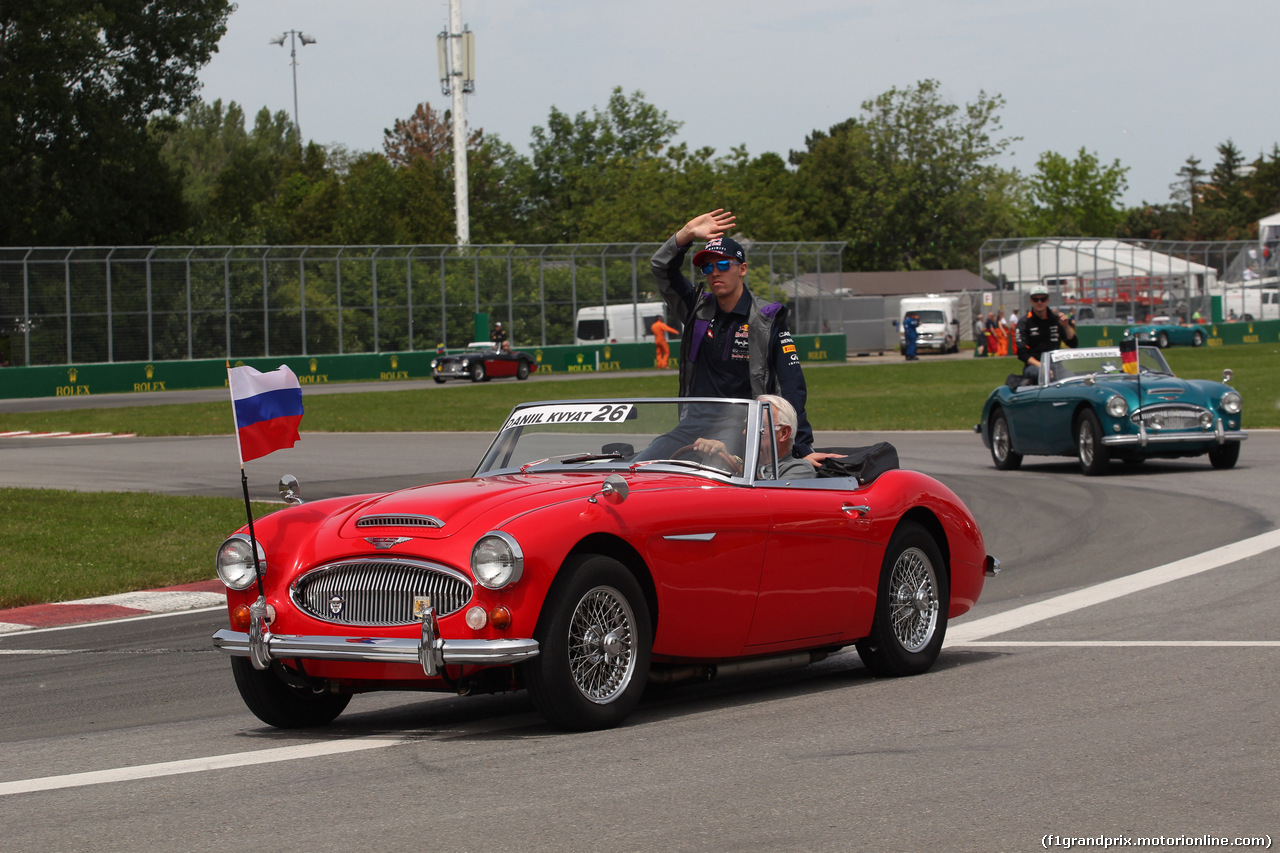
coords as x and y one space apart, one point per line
434 363
235 562
1230 403
497 560
1117 406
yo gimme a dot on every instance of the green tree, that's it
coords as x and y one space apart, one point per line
1227 211
910 184
589 164
1076 198
79 82
1264 184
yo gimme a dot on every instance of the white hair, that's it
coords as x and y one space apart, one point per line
784 414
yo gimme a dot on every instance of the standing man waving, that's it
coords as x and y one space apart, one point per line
733 344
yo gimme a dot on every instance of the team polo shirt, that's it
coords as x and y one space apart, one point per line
723 365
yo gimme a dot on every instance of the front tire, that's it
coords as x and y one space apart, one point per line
477 372
911 606
1162 340
1002 452
1093 455
1224 455
594 640
283 705
439 380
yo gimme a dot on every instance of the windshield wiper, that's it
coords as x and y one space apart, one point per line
570 459
687 463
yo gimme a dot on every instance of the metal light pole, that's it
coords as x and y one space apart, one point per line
456 52
294 37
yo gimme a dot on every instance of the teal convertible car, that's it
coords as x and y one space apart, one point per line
1167 333
1088 406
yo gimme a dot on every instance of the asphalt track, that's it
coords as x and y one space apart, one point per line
1118 680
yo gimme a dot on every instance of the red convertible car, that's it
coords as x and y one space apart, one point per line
595 550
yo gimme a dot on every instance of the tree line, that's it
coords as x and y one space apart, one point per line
106 143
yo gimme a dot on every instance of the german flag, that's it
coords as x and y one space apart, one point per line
1129 355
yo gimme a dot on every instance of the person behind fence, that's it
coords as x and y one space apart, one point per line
734 345
1041 330
662 350
911 334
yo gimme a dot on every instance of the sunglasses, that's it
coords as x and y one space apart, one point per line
1039 299
723 266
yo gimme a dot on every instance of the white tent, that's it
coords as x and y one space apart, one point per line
1058 262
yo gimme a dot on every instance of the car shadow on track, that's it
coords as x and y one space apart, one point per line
511 716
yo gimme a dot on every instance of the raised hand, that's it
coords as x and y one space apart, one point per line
708 226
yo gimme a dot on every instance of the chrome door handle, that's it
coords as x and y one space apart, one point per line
856 511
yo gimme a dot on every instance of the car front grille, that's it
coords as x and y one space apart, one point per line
378 592
1170 417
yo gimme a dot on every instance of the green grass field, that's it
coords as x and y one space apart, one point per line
923 395
60 546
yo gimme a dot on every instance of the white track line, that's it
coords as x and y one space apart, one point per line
194 765
1126 644
1020 617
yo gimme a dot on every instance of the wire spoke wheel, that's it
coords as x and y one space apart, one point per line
594 642
913 604
602 644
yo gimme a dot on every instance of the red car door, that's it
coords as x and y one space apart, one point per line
820 569
706 554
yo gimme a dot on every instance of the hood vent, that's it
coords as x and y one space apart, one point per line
399 521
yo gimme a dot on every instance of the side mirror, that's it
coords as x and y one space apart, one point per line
614 490
290 491
1226 375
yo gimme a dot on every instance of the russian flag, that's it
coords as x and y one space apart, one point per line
268 409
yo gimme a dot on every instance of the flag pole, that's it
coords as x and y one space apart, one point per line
244 485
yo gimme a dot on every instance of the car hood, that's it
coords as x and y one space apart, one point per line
1169 389
442 509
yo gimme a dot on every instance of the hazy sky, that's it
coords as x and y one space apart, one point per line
1149 83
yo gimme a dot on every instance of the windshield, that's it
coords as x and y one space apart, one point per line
632 434
931 316
1075 364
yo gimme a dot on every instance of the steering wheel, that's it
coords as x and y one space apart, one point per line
734 465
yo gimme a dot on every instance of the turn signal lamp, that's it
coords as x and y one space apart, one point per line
240 617
500 618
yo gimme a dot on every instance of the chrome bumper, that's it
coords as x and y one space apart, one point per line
430 651
1143 438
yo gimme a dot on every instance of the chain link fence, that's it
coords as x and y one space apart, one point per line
152 303
1108 281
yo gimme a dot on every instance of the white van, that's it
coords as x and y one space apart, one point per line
939 328
617 324
1252 303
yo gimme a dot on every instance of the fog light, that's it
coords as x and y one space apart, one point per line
240 617
476 618
500 617
1206 419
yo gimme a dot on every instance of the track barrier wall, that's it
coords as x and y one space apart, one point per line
152 378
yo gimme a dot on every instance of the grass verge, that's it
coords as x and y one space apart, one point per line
922 395
60 546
